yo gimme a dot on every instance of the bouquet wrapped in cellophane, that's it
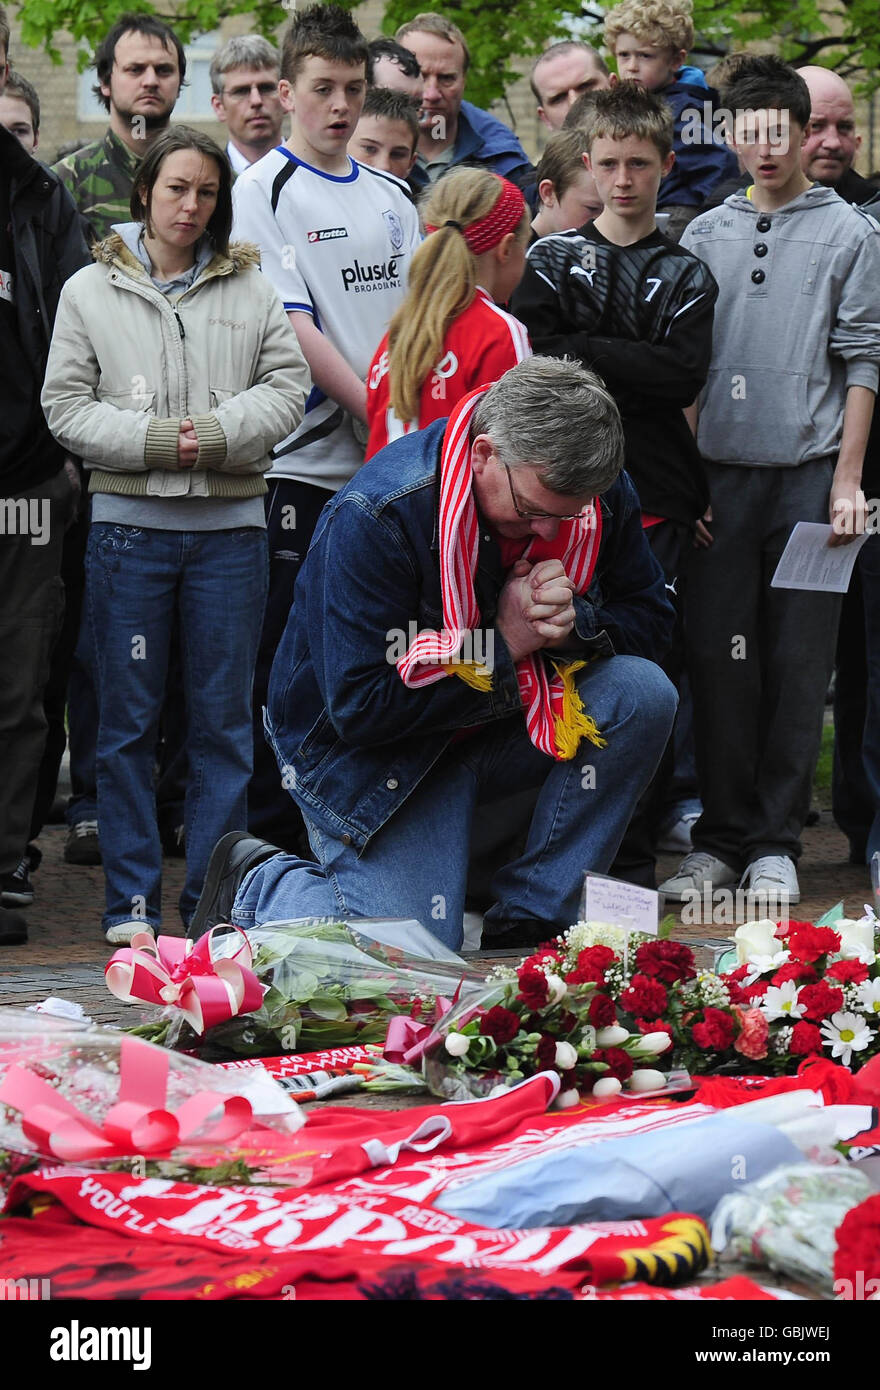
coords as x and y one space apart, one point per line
80 1093
289 986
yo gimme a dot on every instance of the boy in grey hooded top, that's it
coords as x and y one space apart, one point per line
782 425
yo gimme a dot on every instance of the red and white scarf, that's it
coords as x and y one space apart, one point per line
555 717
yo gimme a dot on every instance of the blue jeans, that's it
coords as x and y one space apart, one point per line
416 865
135 581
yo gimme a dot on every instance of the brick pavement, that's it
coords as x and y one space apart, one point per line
66 952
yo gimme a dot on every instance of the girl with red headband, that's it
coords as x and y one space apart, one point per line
449 335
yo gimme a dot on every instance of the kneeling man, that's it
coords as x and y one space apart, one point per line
478 616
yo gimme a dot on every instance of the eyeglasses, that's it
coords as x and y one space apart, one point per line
265 89
536 516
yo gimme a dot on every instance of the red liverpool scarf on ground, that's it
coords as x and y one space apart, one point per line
555 717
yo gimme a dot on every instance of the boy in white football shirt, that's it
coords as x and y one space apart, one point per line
335 239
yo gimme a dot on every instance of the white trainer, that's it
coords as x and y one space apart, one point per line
773 877
696 872
122 932
676 838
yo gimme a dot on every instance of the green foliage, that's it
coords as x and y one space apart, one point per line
842 34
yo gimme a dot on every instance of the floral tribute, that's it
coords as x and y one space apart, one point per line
609 1013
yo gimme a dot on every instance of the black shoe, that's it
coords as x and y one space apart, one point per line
13 928
82 845
519 936
231 859
16 889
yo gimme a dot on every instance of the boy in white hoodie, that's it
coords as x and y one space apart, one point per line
782 425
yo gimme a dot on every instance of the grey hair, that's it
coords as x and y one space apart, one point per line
553 414
245 51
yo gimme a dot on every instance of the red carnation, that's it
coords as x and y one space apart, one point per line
596 958
847 972
541 958
805 1038
739 974
715 1033
546 1052
809 943
666 961
619 1063
794 970
585 975
786 928
533 988
644 996
602 1012
820 1000
757 990
857 1257
499 1024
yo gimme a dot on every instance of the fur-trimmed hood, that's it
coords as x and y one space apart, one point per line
112 251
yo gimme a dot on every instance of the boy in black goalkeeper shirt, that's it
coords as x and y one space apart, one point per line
637 309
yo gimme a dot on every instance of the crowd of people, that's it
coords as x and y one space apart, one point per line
389 524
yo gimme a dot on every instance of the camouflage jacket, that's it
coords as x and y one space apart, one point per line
99 179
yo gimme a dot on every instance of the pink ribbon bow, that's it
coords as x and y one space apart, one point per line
171 970
138 1123
407 1039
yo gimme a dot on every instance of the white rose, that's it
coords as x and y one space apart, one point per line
457 1044
565 1100
644 1079
855 937
654 1043
611 1037
566 1056
606 1087
756 939
557 989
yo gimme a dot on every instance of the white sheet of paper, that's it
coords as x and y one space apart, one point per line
809 562
623 904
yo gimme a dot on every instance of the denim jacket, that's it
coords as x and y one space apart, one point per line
352 741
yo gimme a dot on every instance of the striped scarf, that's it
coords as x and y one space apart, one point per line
555 717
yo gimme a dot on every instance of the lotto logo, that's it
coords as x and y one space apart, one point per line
328 234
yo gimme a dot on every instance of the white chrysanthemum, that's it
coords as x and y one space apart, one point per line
762 965
846 1034
868 995
781 1001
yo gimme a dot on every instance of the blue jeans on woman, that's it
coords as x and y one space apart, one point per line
416 864
136 578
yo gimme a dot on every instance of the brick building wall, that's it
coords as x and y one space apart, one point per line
63 118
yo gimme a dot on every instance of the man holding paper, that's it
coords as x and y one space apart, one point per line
477 618
783 424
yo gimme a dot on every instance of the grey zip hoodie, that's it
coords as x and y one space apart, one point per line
796 323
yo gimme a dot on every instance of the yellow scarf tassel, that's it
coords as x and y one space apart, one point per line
574 723
473 673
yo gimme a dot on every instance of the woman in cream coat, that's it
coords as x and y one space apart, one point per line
173 371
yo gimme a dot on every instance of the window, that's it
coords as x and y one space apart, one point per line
194 103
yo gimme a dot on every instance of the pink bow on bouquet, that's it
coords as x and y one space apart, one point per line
138 1123
171 970
407 1039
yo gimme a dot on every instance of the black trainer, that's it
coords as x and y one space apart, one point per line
232 858
519 936
16 889
13 928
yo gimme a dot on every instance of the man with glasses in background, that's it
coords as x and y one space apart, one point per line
244 83
477 616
